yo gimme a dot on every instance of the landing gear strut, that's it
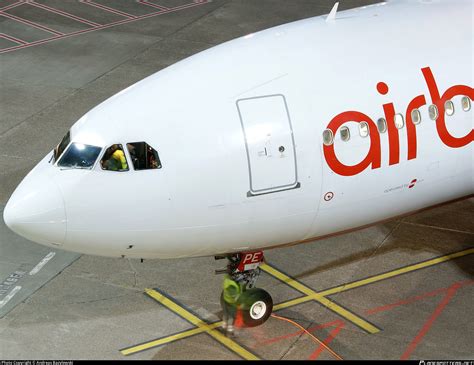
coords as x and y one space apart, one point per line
255 305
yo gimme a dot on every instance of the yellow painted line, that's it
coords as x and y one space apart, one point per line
292 302
209 329
352 317
287 280
370 328
168 339
397 272
373 279
307 298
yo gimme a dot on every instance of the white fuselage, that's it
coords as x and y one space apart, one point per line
219 119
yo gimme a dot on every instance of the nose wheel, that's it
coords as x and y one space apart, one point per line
254 305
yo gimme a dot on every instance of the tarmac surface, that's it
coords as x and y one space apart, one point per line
400 290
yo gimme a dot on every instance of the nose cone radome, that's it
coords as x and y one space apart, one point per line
36 211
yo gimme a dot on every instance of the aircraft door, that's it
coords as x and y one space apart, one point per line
269 143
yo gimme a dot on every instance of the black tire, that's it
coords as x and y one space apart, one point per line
256 306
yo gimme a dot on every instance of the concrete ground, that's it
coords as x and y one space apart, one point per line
397 290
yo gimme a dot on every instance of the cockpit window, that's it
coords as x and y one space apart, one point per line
114 159
144 157
58 151
79 156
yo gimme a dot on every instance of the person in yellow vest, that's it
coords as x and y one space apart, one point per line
119 155
117 160
229 301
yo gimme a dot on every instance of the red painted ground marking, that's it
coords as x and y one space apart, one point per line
426 327
417 298
13 39
405 301
63 13
450 292
337 322
30 23
106 8
144 2
105 26
257 335
14 5
327 341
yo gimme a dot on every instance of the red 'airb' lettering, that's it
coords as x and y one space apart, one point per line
373 157
393 138
416 103
439 101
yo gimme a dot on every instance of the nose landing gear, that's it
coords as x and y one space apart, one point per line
253 305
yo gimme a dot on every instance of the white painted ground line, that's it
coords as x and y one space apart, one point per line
15 290
43 262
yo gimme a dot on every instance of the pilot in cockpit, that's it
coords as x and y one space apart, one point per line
114 159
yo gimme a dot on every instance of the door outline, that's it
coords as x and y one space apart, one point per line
276 189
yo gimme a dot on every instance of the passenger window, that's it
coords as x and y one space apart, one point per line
363 129
433 111
416 116
399 121
114 159
328 137
466 103
79 156
382 125
144 157
345 134
449 107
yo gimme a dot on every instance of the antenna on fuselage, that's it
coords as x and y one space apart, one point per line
332 15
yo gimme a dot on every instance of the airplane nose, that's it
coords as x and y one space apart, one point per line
36 212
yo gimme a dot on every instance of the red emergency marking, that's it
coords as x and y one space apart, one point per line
250 260
412 184
373 158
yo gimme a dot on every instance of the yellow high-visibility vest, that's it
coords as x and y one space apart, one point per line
231 290
120 156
